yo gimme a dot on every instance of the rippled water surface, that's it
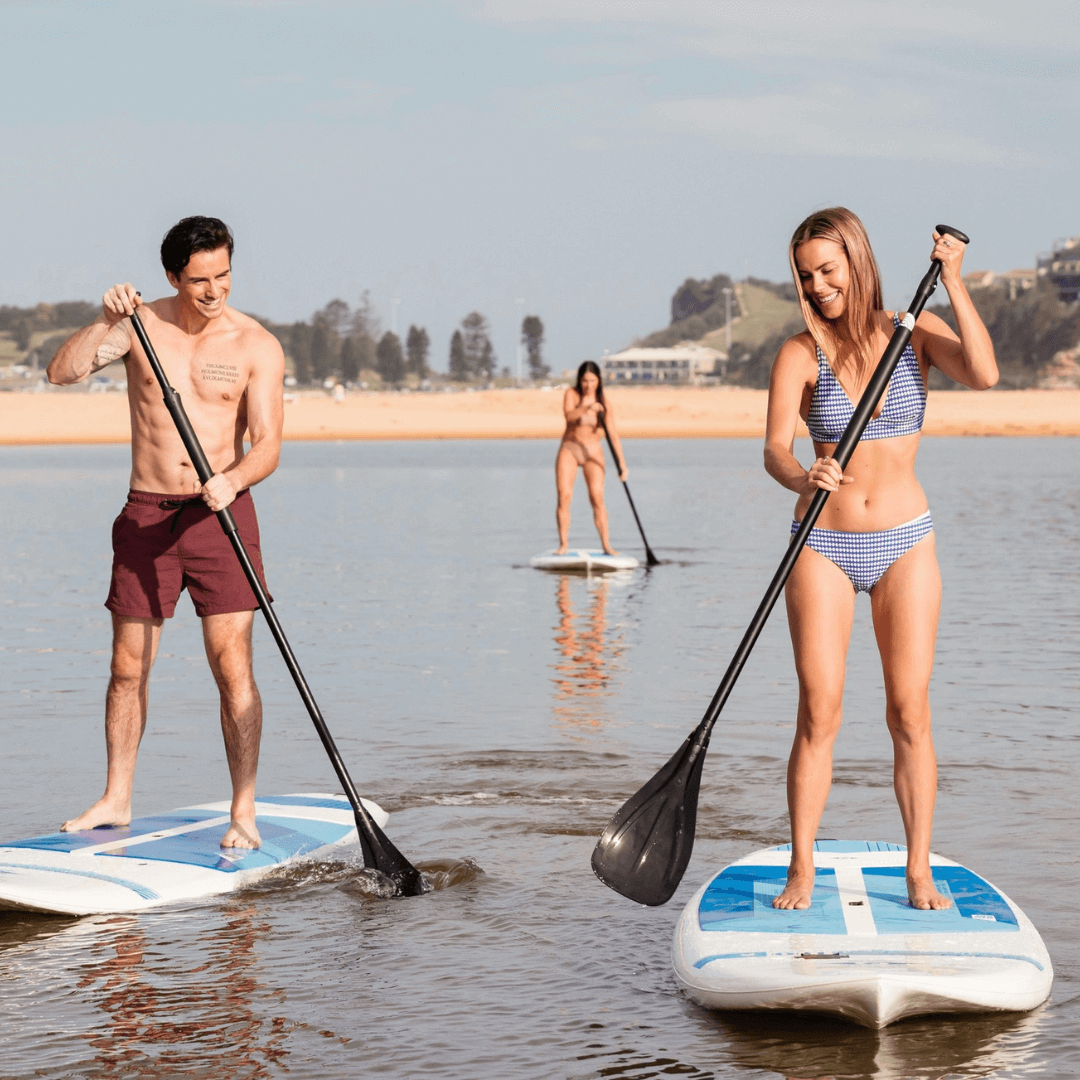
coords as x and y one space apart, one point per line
501 714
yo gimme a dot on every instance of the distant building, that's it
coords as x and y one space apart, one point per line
1014 281
1062 267
680 364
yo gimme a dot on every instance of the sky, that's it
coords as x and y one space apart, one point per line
572 159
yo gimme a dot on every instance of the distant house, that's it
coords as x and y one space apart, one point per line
1062 267
1013 281
679 364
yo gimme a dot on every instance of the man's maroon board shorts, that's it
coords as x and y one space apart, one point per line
163 544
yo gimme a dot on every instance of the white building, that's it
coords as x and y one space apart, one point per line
680 364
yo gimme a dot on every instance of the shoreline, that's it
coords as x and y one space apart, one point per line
81 418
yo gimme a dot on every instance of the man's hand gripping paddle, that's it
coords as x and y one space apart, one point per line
377 849
645 849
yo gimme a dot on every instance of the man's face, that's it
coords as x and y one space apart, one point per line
204 284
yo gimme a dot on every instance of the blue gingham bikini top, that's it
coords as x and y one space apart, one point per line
905 402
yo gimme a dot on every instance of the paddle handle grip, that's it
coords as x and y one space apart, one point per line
879 381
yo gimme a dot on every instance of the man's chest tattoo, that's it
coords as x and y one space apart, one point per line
224 373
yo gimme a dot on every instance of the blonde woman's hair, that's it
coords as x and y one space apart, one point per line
864 292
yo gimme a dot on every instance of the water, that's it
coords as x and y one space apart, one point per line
501 715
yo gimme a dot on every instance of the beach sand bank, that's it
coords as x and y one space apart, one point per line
642 413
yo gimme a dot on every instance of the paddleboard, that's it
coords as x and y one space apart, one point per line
581 559
169 857
860 950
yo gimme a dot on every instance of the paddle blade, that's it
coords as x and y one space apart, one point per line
380 854
644 851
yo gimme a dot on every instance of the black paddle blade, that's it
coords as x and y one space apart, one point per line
644 851
650 558
380 854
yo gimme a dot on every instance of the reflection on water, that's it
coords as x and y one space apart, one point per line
151 1026
587 655
808 1047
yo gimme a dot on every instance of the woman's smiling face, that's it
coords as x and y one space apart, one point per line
825 274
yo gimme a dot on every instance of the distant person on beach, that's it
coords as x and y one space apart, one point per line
586 413
875 531
229 372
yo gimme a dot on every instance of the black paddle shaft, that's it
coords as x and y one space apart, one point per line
650 558
377 849
646 847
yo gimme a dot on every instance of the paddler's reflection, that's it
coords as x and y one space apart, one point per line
587 654
177 1022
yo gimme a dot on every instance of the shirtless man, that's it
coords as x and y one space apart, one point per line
229 373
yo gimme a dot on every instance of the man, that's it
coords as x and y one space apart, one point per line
229 372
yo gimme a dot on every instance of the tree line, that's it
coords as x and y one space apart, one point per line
341 343
338 342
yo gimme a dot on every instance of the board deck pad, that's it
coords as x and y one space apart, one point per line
860 949
164 858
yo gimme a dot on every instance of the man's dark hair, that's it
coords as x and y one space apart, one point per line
191 235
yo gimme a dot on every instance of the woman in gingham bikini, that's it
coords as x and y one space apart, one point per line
875 534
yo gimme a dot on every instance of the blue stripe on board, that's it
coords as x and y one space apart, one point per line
282 840
978 908
73 841
873 952
740 899
304 800
142 890
848 846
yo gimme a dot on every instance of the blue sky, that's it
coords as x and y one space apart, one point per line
575 159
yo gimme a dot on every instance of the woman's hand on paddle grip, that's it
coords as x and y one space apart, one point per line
825 473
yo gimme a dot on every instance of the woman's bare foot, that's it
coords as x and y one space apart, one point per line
798 892
610 551
242 835
923 895
103 812
561 549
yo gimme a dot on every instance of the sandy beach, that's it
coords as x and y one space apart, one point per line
642 413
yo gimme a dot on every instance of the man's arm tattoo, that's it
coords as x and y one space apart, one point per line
115 344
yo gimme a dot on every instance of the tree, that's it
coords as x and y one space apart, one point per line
389 358
459 368
323 351
416 348
532 337
479 355
349 359
300 351
336 317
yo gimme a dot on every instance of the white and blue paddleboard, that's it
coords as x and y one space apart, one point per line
860 950
581 559
169 857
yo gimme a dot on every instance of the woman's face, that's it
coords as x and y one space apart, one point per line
589 383
825 274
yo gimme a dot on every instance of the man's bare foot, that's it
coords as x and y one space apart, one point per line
103 812
610 551
241 835
561 549
923 895
797 893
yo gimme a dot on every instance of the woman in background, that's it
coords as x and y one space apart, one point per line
875 531
586 414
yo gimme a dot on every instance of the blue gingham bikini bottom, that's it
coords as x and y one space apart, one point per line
865 556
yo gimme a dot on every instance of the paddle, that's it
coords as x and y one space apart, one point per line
377 849
646 846
650 558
